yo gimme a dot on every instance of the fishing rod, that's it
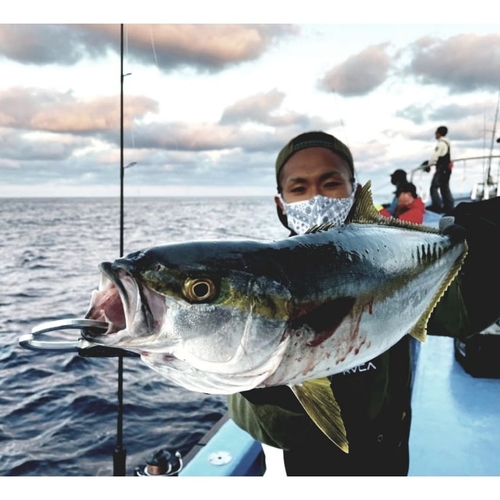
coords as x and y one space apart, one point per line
120 453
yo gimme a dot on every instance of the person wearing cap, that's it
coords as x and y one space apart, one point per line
397 177
441 198
316 183
410 206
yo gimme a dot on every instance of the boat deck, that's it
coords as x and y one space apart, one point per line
456 417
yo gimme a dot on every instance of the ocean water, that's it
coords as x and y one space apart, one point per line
58 410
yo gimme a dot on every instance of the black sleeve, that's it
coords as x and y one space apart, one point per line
480 274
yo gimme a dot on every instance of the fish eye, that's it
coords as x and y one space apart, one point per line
199 290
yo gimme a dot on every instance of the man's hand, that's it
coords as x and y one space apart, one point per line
454 231
425 166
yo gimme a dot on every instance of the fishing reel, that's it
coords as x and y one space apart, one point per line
161 463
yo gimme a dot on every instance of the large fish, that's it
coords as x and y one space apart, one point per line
227 316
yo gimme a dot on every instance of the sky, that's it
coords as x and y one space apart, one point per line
210 94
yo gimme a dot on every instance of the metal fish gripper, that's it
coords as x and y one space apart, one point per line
39 340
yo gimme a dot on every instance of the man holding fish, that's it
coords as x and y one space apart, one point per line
308 336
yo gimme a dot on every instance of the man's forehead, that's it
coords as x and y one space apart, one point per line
307 174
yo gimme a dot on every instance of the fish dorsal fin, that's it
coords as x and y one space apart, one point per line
317 399
364 212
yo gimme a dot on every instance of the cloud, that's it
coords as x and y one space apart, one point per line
202 137
359 74
462 63
208 47
202 47
467 122
17 145
43 44
264 109
253 108
178 136
52 111
419 113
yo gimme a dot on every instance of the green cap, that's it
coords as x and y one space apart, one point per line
313 140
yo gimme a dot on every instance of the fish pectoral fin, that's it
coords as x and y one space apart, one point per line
317 398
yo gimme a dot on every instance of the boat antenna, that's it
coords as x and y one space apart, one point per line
119 453
493 133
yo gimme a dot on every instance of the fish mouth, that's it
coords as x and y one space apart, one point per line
130 308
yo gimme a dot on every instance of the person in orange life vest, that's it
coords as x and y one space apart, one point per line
410 207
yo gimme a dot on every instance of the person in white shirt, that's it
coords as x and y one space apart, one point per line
441 198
